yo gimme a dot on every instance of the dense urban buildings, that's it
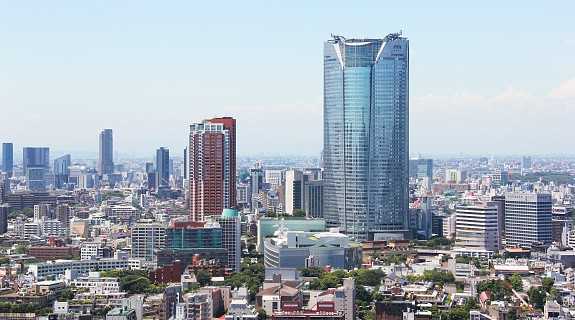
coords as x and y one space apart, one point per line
366 135
106 152
212 171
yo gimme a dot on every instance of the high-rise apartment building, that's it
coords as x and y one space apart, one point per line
8 158
476 228
162 168
106 152
62 171
212 167
528 219
366 135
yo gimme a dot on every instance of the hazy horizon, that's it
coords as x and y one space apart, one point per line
148 70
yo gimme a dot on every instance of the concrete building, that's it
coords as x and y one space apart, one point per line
313 198
267 227
212 167
231 237
147 239
195 306
274 177
96 284
476 227
298 249
294 191
56 268
528 219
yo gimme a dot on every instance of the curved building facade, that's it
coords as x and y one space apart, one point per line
366 135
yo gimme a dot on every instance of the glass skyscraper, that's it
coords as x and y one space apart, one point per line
162 168
366 135
8 158
106 152
62 171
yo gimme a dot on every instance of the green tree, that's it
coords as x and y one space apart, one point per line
537 297
440 277
365 277
262 314
311 272
516 282
547 284
204 278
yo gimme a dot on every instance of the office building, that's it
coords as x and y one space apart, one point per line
106 152
151 175
256 186
455 175
188 241
36 179
162 168
147 239
35 157
212 167
62 171
8 158
313 198
476 228
4 211
231 235
528 219
294 191
526 163
35 164
422 169
366 135
274 178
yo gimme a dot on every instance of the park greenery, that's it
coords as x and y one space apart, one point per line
134 281
8 307
436 276
251 276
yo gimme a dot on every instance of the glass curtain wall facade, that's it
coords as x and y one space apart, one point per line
366 147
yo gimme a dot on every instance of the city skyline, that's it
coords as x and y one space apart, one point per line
458 76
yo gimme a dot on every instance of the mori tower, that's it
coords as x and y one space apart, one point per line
366 136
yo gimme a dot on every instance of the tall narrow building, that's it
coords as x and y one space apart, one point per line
62 171
106 152
8 158
212 167
366 135
162 168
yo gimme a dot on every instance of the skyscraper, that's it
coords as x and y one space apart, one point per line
62 171
528 219
36 162
294 190
212 167
106 152
366 135
162 168
8 158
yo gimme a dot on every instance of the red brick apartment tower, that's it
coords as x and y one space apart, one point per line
212 167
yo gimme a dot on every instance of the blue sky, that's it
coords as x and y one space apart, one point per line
486 77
